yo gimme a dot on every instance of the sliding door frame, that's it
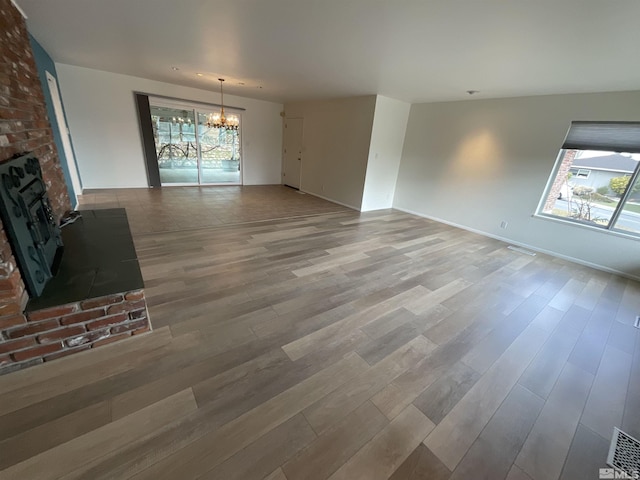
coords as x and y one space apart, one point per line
148 143
143 103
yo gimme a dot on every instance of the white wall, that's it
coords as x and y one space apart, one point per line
106 135
336 139
385 150
477 163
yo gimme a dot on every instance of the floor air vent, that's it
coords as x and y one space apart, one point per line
624 453
522 250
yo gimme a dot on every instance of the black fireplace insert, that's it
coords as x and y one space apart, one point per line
28 219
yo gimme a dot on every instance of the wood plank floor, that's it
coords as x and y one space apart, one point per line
186 208
339 346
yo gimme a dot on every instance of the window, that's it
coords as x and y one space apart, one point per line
596 179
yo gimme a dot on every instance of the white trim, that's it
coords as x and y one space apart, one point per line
587 170
602 169
525 245
65 135
24 15
330 200
593 228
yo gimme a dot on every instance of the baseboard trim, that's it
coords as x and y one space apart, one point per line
551 253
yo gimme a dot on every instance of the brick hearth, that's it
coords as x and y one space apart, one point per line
51 333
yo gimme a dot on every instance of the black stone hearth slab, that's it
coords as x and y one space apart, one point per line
99 259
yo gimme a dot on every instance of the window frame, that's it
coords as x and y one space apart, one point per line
588 173
623 200
610 227
605 136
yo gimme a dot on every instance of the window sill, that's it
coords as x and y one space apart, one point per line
616 233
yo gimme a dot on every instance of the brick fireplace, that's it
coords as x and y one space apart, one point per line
44 334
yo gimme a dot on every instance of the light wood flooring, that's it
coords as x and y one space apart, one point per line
153 210
340 346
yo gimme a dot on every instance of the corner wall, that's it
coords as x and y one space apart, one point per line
104 126
385 151
477 163
335 146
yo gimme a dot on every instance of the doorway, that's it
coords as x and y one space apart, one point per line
292 152
189 152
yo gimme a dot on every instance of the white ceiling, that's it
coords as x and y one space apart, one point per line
412 50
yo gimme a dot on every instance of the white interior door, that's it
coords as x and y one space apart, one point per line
64 134
292 155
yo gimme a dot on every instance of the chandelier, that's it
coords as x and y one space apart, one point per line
219 120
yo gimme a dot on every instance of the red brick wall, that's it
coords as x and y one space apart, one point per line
45 335
24 126
561 176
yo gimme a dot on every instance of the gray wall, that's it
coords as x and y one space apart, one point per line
477 163
335 146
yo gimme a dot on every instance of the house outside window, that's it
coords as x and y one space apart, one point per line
596 179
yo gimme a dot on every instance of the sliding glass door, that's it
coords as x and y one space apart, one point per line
188 151
219 153
176 146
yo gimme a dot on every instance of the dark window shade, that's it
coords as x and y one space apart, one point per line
148 142
608 136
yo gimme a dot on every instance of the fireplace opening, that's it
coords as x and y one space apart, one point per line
31 227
